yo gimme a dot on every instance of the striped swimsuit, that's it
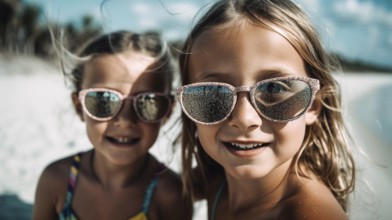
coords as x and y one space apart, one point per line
67 212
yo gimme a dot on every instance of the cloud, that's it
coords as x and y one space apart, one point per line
180 11
390 39
184 10
311 6
374 35
362 13
170 17
145 15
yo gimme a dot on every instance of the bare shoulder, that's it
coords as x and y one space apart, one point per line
170 183
311 199
169 197
55 175
51 189
57 172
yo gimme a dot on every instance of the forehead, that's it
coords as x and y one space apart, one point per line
125 71
243 48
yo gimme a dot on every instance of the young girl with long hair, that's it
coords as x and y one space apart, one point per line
122 92
263 133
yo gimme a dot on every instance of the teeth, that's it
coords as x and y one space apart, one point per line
246 146
122 139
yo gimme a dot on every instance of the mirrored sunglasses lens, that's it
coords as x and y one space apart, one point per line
207 104
283 99
152 107
102 104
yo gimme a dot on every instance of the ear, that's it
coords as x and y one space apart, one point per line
77 105
313 112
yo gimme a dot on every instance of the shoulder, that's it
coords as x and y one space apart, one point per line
168 196
169 182
169 188
51 188
56 173
311 199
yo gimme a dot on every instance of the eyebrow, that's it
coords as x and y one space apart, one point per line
207 75
272 73
260 75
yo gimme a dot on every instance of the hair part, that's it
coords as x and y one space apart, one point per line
325 149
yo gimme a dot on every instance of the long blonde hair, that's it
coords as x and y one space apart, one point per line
325 150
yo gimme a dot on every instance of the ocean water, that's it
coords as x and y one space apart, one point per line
38 125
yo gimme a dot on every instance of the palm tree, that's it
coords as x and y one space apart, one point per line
8 10
29 25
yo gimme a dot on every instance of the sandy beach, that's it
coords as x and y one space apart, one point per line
367 102
38 125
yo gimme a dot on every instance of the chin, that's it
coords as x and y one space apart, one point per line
249 171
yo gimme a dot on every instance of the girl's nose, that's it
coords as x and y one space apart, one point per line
244 115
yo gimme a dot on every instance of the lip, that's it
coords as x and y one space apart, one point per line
245 149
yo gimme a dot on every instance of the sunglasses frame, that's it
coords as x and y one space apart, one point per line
84 92
314 85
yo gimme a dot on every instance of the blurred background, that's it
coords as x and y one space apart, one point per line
38 124
358 31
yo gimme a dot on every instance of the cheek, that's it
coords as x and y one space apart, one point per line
207 137
151 132
291 136
95 130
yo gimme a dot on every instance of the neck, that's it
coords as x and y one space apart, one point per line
114 176
264 192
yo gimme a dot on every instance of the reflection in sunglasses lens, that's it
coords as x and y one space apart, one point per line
102 104
152 107
207 103
284 99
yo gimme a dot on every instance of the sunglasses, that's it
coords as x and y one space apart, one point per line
104 104
280 99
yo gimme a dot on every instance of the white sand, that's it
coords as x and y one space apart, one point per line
38 125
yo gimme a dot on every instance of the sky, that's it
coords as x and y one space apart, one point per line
357 29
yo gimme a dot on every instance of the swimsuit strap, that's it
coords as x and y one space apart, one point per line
148 196
151 187
216 199
73 174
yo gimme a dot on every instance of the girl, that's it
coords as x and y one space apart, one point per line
262 116
121 92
